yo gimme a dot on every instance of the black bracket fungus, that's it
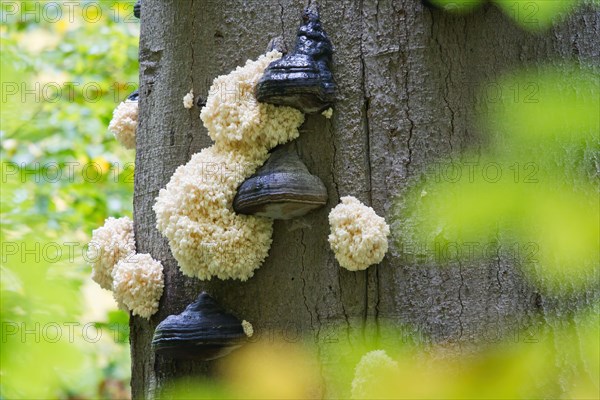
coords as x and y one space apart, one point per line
302 79
137 8
203 331
282 188
200 101
134 96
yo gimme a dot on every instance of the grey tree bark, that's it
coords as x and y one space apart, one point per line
407 79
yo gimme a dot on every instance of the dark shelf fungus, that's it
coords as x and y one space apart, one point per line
134 96
137 8
203 331
282 188
302 79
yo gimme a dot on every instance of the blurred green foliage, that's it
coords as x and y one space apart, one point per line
556 358
532 15
64 68
536 184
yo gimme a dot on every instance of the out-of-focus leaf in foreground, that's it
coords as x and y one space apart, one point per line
456 6
537 185
378 363
524 366
536 14
533 15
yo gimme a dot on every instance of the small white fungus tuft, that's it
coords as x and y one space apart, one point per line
138 284
194 211
188 99
371 373
328 113
248 328
358 235
124 123
110 243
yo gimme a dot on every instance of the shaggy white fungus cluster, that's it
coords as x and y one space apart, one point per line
135 279
138 284
194 211
124 123
188 99
371 372
110 243
358 235
237 122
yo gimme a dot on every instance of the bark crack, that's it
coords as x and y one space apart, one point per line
343 306
407 109
333 167
498 262
378 299
192 37
447 82
445 96
367 127
281 20
460 300
304 281
190 134
367 130
412 124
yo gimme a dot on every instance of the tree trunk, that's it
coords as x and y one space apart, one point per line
407 79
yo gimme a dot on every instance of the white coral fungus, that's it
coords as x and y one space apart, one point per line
194 211
371 373
248 328
237 122
358 235
188 99
328 113
110 243
138 284
124 122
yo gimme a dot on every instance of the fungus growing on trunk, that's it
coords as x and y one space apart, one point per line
194 211
358 235
203 331
188 99
137 8
248 328
110 243
138 284
124 121
328 113
281 189
302 79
